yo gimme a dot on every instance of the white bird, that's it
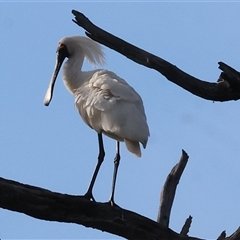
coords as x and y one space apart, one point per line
106 102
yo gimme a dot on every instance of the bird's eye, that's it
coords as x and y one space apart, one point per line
61 45
62 48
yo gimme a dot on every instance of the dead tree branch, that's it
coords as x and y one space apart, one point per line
44 204
235 235
47 205
222 236
169 190
220 91
186 226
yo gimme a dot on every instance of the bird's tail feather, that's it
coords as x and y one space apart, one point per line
133 147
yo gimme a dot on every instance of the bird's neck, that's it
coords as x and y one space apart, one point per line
72 75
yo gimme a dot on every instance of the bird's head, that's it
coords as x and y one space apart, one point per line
62 53
68 47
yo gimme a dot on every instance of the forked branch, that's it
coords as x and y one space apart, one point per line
44 204
224 90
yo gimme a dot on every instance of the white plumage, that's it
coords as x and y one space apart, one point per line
106 102
109 105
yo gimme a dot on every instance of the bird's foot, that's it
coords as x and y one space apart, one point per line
88 195
112 203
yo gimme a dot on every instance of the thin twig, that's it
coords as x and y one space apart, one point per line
222 236
186 226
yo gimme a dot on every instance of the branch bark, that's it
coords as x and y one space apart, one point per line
186 226
169 190
46 205
235 235
223 90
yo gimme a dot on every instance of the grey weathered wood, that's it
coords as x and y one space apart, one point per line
222 236
51 206
214 91
46 205
235 235
186 226
169 190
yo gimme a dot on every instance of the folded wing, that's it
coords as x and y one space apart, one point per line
110 105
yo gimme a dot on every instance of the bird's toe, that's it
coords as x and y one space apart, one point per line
89 196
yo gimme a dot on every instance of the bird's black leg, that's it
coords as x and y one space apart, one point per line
101 155
116 164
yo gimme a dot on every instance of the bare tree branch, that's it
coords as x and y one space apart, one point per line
235 235
186 226
44 204
222 236
169 190
207 90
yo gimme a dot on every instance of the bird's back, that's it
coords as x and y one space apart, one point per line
110 105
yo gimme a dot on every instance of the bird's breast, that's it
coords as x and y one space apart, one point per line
109 105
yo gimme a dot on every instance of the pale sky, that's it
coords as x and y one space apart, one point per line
51 147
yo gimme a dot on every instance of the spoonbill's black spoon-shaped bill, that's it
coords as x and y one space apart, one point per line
106 102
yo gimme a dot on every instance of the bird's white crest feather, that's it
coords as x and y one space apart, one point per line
106 102
91 49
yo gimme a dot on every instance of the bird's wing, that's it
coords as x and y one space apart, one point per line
110 105
112 86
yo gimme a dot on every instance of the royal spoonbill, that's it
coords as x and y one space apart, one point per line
106 102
